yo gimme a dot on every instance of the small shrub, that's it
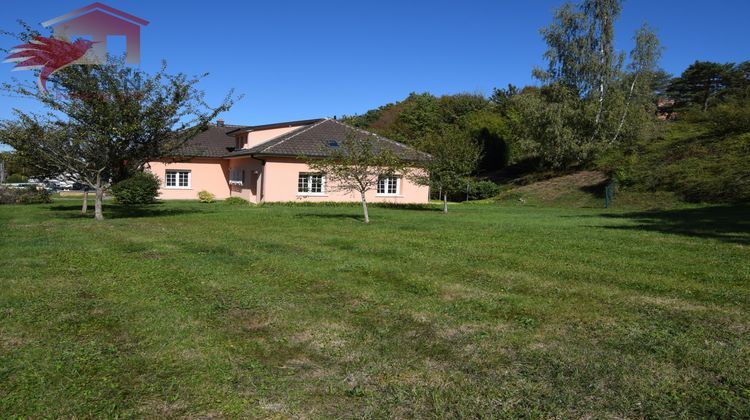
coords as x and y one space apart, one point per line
236 201
141 188
472 190
206 197
7 196
33 195
480 190
16 179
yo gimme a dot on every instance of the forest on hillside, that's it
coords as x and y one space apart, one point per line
595 108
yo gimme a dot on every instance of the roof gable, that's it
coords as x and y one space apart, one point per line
95 7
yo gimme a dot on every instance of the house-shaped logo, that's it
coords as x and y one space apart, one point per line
100 21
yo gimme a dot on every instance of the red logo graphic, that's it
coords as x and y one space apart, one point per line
47 54
96 20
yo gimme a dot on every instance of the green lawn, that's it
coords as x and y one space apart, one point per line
183 309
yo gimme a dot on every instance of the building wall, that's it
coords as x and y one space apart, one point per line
255 138
206 174
281 176
249 188
279 179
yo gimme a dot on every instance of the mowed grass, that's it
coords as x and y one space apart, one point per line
184 309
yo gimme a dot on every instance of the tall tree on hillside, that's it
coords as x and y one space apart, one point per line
355 165
642 73
455 156
104 122
587 97
701 82
740 81
659 84
602 15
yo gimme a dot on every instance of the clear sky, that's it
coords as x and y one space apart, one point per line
306 59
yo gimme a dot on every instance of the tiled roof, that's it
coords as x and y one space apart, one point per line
213 142
275 125
314 141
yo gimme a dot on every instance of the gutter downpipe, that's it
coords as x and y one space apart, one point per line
262 192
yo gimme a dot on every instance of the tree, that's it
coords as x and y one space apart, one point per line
355 165
549 124
104 122
643 62
700 83
587 103
489 130
602 15
660 81
13 164
501 96
739 82
454 157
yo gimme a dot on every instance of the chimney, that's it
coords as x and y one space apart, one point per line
220 123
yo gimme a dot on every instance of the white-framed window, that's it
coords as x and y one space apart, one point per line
389 185
310 184
178 178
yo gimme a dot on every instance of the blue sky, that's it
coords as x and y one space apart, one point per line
305 59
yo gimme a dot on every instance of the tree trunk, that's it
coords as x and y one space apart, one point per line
85 205
445 203
705 101
99 197
625 111
364 208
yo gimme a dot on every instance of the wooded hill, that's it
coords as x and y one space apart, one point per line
593 108
696 145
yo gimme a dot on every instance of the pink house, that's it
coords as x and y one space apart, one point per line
263 163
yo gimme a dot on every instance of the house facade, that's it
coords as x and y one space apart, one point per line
264 163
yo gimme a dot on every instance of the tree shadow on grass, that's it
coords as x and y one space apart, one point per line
356 204
356 217
400 206
730 223
596 190
116 211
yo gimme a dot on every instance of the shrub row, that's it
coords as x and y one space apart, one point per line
28 195
474 190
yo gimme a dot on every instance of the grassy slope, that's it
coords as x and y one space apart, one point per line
695 163
584 189
209 310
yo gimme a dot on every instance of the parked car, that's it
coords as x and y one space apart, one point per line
22 185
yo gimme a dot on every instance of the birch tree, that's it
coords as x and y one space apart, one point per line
588 94
642 69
